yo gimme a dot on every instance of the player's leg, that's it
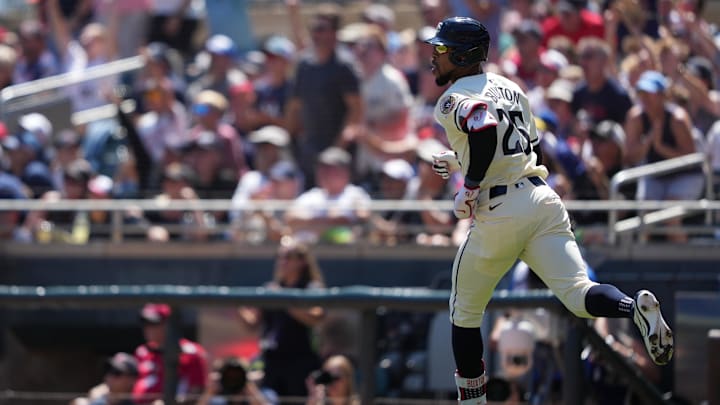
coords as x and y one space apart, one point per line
476 272
556 259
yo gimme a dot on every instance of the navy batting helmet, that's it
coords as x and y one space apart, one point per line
466 37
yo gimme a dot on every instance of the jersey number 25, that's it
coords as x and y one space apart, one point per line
516 138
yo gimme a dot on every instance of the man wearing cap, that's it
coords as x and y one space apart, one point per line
333 206
208 108
35 60
272 88
600 94
271 145
391 227
528 37
325 106
572 19
121 372
192 362
222 73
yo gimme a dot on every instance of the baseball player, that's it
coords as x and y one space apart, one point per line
515 214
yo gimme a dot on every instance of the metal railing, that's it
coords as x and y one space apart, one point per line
361 298
22 96
674 208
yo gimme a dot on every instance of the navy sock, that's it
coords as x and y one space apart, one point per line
605 300
467 347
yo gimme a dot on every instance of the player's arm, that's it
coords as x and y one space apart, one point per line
474 119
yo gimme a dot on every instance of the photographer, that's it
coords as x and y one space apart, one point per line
230 384
333 384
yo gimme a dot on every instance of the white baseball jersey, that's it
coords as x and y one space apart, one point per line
479 101
527 221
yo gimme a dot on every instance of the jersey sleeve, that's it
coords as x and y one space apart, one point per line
468 115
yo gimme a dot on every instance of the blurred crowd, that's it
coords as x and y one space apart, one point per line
340 112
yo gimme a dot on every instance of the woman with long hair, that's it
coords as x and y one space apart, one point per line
288 352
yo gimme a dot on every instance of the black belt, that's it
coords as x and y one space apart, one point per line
497 191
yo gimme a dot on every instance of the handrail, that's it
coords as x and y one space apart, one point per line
654 169
70 78
151 204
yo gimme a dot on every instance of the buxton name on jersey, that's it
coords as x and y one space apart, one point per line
474 103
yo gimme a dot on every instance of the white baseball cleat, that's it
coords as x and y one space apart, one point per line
655 332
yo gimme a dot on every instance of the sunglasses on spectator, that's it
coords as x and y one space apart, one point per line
441 49
201 109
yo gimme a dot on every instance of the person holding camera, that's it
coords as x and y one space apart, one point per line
231 384
333 384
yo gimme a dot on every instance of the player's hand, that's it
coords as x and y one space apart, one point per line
444 163
465 201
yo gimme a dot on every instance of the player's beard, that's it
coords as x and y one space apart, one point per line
442 80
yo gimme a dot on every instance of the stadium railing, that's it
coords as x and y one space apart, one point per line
361 298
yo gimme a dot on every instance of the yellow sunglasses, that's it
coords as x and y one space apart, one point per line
441 49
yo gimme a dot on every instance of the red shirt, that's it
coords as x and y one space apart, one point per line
591 25
192 370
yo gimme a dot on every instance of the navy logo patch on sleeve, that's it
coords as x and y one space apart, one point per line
447 104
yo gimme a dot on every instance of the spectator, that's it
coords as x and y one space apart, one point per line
526 57
245 115
192 363
600 94
437 224
273 87
121 374
392 227
572 19
559 97
174 23
387 102
8 60
325 105
713 150
232 384
96 46
64 226
35 60
330 210
221 73
208 109
657 130
287 350
11 221
25 161
333 384
204 156
163 127
698 76
271 145
67 147
194 225
162 63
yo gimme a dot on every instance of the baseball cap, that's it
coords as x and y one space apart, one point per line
428 147
122 363
560 90
279 45
283 170
553 60
101 185
570 5
271 134
211 98
652 81
155 313
334 156
220 44
66 137
38 125
11 187
178 172
380 14
610 131
529 27
398 169
78 170
37 177
701 67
